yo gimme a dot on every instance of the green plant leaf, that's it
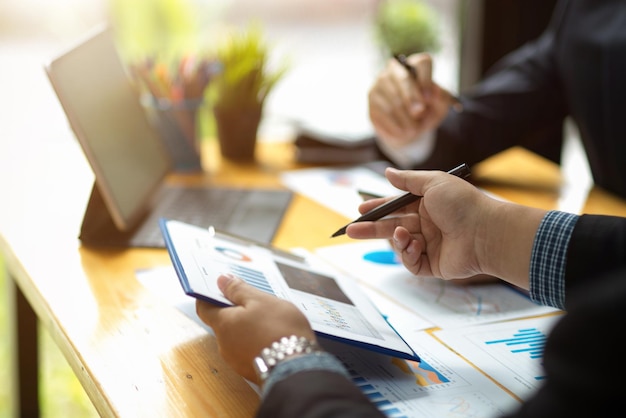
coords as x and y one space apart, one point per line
246 78
406 27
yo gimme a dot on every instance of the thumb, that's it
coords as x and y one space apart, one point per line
236 290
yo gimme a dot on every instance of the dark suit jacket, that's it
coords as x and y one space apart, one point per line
583 357
577 68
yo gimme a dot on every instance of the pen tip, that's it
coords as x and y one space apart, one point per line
339 232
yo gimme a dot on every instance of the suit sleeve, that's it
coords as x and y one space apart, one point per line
597 247
521 96
316 393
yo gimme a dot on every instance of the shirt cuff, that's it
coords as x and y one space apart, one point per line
549 257
412 154
315 361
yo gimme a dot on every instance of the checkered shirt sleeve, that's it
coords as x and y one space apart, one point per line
548 258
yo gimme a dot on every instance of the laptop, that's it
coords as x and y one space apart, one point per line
130 161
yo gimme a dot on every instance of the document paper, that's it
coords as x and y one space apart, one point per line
334 303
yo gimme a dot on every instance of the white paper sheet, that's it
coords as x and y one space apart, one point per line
441 385
337 188
444 303
511 352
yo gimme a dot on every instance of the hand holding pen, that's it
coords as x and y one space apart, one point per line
397 203
405 103
456 231
423 79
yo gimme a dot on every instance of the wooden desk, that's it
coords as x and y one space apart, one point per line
134 355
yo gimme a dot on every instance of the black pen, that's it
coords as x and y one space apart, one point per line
393 205
401 58
365 195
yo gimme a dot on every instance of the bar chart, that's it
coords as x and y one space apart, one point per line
511 351
440 385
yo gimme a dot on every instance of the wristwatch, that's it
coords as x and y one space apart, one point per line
280 351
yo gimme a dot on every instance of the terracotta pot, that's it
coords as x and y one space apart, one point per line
237 131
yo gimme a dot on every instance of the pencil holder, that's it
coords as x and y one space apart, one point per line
176 123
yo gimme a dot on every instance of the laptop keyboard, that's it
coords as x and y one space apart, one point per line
250 213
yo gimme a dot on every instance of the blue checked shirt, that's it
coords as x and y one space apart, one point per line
548 258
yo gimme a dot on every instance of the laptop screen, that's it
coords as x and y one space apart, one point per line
125 152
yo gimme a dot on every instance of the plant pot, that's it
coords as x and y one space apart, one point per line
237 131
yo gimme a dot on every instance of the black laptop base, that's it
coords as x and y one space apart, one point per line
98 228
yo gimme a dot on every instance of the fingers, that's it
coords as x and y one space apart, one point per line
383 228
423 65
417 182
396 101
389 105
410 247
406 81
414 83
208 312
371 230
237 291
418 70
370 204
406 103
477 279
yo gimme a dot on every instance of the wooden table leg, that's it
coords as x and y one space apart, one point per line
25 350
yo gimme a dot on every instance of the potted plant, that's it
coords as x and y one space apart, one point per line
405 27
239 91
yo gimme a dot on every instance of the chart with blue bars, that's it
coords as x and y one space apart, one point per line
511 351
526 341
432 387
251 276
424 376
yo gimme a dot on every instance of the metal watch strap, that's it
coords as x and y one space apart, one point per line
282 350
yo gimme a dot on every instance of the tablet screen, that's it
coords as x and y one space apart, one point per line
102 106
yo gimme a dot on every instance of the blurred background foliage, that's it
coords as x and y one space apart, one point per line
406 27
246 78
167 31
165 28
